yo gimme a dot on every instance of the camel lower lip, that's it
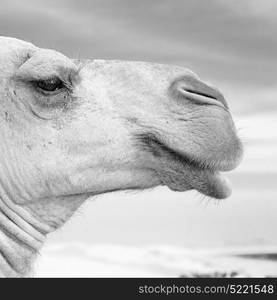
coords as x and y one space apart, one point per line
213 185
209 183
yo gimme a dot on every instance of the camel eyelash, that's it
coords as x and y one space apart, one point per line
51 86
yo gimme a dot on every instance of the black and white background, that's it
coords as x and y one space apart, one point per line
161 233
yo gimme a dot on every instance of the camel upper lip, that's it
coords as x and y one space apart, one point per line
159 148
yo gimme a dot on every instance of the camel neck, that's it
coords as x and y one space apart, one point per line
20 240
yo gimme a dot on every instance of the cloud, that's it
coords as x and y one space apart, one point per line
254 8
260 140
230 43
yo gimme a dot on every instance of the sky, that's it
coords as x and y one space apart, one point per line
231 44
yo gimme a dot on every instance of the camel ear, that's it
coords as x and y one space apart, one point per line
31 67
26 56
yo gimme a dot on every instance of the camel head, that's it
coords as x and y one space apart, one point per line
71 129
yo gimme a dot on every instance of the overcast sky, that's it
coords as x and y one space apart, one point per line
231 43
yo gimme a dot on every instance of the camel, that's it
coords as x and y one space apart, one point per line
71 129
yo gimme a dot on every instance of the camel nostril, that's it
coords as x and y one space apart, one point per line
192 88
199 93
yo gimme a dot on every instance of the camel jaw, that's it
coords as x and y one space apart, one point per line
181 173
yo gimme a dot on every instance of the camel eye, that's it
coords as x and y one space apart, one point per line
50 85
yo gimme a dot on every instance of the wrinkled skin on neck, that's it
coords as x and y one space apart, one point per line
112 125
